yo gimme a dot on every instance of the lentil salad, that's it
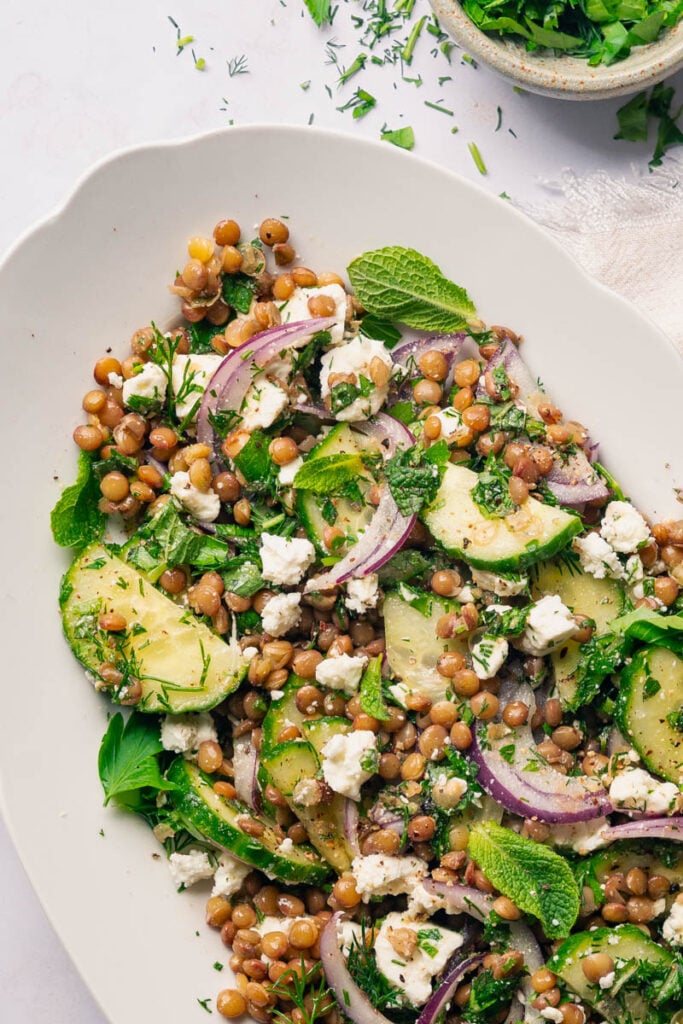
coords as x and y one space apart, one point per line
389 633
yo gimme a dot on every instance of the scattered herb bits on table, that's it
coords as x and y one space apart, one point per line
403 667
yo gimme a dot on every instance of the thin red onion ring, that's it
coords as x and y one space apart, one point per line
352 1000
443 995
647 828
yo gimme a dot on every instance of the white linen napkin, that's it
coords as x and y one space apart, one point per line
628 234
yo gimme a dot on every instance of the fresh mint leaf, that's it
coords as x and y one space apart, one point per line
76 519
238 291
200 335
402 284
534 877
404 566
371 699
404 138
633 119
128 759
243 576
320 11
489 995
600 657
164 542
651 627
254 461
490 493
381 330
414 475
327 474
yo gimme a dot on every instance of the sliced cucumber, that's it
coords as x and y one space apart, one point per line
221 821
413 648
319 730
180 663
288 764
627 946
507 544
600 600
622 857
282 713
350 517
650 710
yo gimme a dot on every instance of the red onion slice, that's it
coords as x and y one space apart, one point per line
507 355
231 381
460 899
352 1000
443 995
351 820
647 828
389 528
245 763
573 481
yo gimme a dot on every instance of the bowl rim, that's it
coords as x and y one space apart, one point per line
573 78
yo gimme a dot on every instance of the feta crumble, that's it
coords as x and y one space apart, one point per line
190 376
548 625
606 981
341 673
289 471
623 527
583 837
502 586
204 505
489 655
183 733
149 384
450 420
296 307
348 761
263 403
189 868
378 874
424 956
285 559
672 929
362 594
281 613
551 1013
598 558
637 790
355 358
229 875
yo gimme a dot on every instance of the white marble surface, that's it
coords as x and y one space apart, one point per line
79 81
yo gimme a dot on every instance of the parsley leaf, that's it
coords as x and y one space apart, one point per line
127 759
254 462
238 291
600 657
402 284
404 138
414 475
634 118
534 877
489 995
76 519
490 493
371 699
320 11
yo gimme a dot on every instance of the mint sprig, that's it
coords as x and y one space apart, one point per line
76 519
325 474
403 285
371 698
535 878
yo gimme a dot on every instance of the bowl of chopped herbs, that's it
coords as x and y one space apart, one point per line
571 49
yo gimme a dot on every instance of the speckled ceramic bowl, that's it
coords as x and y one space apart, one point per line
568 78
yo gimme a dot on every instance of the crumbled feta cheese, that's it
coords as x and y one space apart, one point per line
307 793
190 376
229 875
362 593
183 733
115 380
342 672
349 761
502 586
286 847
249 653
606 981
422 903
281 613
296 307
355 358
149 384
410 956
276 694
658 907
448 791
189 868
489 655
672 929
583 837
349 933
205 505
289 471
623 527
551 1013
598 558
637 790
263 403
285 559
468 595
378 874
450 420
548 625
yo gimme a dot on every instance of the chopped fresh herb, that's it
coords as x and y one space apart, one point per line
164 541
675 719
426 939
600 657
489 995
365 972
254 462
511 622
371 699
354 68
76 519
238 291
306 988
238 66
243 576
438 106
361 103
491 494
416 31
128 759
326 474
402 284
414 476
204 1003
634 118
477 157
404 566
320 11
372 326
404 138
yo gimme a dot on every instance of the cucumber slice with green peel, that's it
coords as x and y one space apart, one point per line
180 663
292 762
412 646
600 600
622 857
628 947
319 730
222 821
317 511
283 712
507 544
650 710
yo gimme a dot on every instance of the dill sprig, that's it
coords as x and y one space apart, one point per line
307 989
365 972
